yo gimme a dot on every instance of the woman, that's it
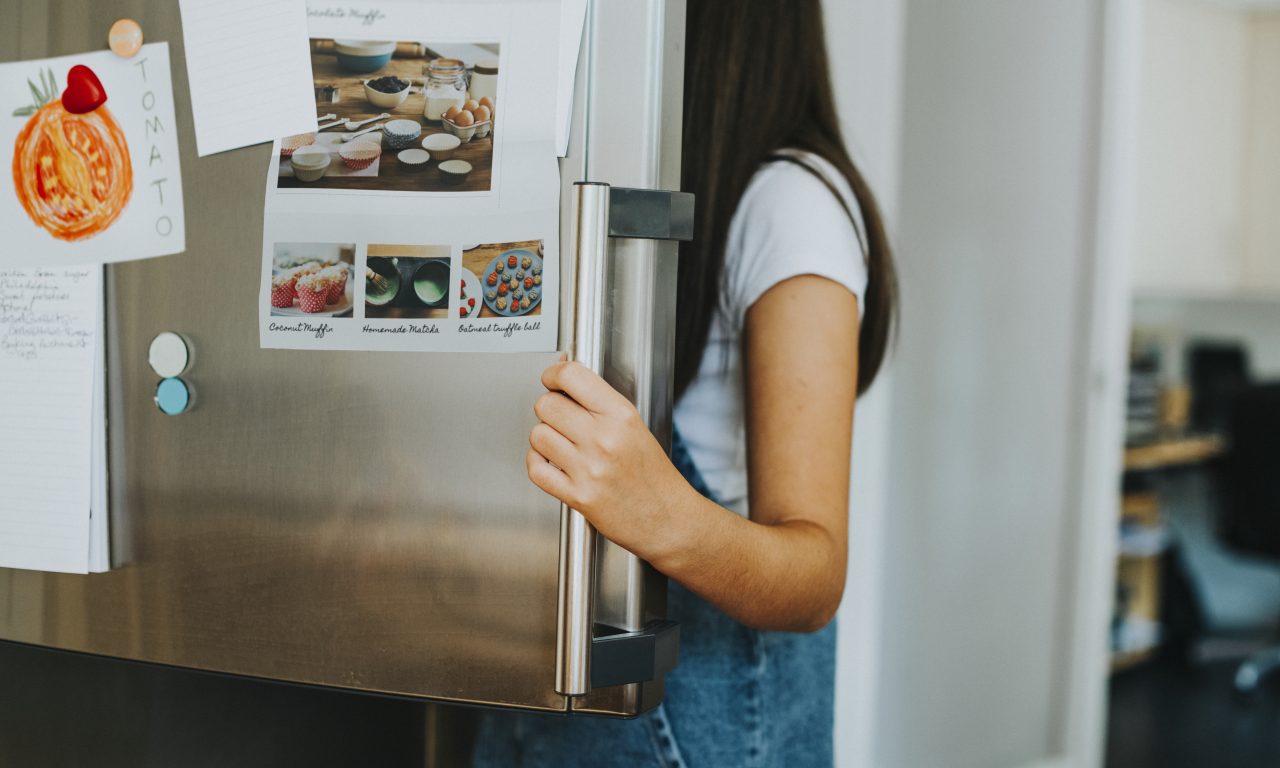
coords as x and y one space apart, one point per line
784 310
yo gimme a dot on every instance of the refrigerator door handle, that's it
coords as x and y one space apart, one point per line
601 211
574 617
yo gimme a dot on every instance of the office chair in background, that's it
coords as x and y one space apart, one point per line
1250 519
1216 372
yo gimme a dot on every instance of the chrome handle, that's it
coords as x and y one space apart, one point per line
574 618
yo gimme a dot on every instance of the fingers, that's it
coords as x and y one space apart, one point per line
564 415
553 447
583 385
547 477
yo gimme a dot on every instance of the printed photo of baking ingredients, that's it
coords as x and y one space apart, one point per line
507 276
312 280
397 117
407 282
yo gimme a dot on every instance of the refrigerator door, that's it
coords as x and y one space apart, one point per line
355 520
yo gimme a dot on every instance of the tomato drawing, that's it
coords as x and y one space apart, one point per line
71 167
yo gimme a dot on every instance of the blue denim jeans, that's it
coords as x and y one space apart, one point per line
740 698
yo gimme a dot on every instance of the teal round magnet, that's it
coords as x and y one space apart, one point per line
173 397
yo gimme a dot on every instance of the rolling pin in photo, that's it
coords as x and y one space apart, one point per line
403 50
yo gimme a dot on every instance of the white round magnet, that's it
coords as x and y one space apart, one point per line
169 355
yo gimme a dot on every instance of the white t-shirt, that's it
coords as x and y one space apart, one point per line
788 224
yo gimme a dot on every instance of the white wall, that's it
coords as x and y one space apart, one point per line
1190 217
1262 152
865 44
996 234
1209 170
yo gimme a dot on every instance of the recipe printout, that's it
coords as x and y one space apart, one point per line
93 148
424 214
49 335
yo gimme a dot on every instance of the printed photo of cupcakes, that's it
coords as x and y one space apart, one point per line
311 278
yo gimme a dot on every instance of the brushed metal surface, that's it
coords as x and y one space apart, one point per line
574 618
348 519
357 520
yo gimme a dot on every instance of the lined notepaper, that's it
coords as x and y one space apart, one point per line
50 321
248 70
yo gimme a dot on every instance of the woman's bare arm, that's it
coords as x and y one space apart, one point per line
785 567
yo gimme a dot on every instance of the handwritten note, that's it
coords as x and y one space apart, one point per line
249 70
50 321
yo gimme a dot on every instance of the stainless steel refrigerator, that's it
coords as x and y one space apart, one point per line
394 545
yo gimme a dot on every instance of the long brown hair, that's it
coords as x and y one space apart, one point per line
756 82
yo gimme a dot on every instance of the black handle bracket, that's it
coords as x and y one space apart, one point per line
620 658
650 214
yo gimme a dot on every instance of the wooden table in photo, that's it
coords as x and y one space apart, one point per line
477 260
392 176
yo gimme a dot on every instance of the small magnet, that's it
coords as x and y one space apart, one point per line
173 397
169 355
125 38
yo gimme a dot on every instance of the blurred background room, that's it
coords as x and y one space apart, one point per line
1067 494
1065 524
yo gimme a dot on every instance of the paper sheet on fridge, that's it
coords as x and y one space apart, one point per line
50 323
573 15
249 71
89 186
437 237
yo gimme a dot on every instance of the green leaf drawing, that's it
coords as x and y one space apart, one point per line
41 94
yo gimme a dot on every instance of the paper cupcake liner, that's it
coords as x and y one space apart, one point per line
282 295
312 301
337 291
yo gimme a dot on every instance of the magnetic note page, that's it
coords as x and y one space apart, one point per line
48 346
93 149
249 70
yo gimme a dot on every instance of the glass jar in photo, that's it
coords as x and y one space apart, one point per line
484 81
446 87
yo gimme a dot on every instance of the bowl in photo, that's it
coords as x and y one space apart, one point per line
381 281
376 91
401 134
463 132
360 154
310 163
431 283
441 145
414 159
291 144
363 55
454 172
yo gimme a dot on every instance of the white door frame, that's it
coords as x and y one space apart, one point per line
1106 296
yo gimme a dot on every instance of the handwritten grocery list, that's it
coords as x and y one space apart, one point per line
49 324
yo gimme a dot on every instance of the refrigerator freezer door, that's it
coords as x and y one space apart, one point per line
356 520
